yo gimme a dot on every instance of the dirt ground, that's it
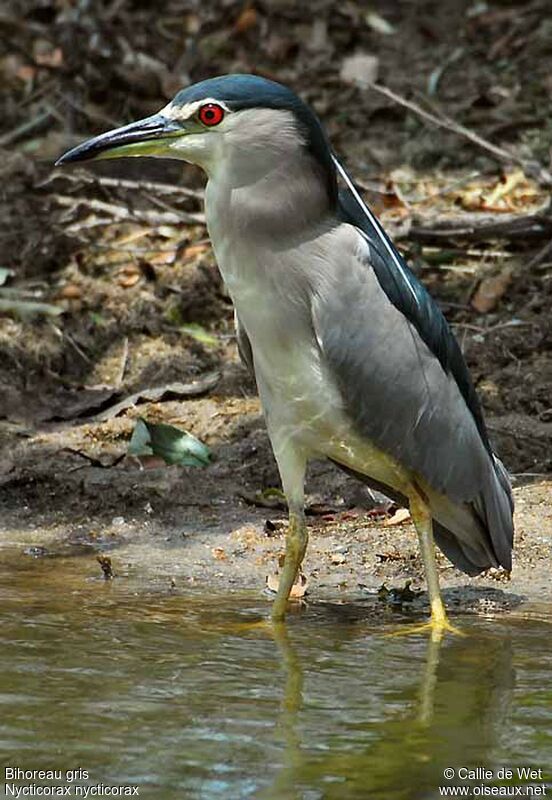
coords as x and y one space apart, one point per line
136 302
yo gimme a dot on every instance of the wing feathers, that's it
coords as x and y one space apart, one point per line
400 396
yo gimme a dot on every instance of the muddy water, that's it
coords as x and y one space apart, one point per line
181 695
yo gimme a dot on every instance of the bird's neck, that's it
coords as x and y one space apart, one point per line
253 195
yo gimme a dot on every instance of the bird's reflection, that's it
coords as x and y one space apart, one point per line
288 727
449 714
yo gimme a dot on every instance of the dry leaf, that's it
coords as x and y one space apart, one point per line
247 536
219 553
129 280
491 290
71 292
299 588
504 187
196 250
246 20
401 515
514 192
53 58
162 257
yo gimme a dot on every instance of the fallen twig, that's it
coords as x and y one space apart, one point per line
539 257
122 365
83 176
513 323
29 126
531 167
122 213
479 227
195 388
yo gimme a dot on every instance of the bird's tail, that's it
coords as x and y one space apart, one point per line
474 536
497 510
478 535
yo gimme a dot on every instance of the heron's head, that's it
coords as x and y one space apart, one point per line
241 120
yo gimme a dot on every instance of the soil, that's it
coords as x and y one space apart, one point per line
143 305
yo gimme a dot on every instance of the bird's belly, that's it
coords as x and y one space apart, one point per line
301 401
305 410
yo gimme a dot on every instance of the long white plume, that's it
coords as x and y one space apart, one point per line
375 224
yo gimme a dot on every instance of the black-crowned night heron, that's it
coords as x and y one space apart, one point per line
353 359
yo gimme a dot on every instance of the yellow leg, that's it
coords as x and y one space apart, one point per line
296 544
439 623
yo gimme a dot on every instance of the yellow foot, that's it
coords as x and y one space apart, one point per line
436 627
283 605
281 608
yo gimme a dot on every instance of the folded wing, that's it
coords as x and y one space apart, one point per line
406 387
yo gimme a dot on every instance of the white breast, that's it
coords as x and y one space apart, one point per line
302 403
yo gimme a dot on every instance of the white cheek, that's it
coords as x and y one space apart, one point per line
195 148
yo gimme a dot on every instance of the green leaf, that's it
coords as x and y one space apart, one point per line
98 319
5 273
171 444
140 441
199 333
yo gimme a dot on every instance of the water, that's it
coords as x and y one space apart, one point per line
183 696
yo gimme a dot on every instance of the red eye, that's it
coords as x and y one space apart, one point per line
211 114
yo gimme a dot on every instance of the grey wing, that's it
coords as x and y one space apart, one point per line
405 402
244 345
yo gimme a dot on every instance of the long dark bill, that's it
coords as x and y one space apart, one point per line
130 140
